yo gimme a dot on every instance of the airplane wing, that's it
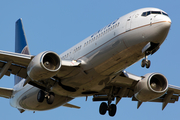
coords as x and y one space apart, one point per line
123 85
17 63
6 92
14 63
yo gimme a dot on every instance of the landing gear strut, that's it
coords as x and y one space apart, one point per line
146 62
42 95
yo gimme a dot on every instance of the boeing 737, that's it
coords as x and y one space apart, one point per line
94 67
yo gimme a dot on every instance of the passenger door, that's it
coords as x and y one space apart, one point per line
128 22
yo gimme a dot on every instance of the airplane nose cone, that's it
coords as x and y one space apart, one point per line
165 19
167 23
160 28
168 20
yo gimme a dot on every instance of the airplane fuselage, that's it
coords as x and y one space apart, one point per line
104 53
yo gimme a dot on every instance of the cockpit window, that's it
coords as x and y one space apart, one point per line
144 14
153 12
148 13
164 13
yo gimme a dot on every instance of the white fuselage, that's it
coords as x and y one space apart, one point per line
111 49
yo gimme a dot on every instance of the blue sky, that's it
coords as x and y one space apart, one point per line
58 25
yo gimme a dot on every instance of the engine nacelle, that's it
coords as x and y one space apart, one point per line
152 86
44 65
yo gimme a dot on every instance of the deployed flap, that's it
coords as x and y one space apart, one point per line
71 106
6 92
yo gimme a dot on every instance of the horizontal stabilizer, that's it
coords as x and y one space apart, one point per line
71 106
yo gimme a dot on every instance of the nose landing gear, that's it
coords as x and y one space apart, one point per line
146 62
149 48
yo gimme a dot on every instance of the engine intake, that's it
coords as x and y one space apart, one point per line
158 83
50 61
152 86
44 65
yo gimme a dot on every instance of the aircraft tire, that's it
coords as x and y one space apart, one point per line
143 63
112 110
40 96
148 64
103 108
50 98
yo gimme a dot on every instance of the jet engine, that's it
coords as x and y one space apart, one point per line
44 65
152 86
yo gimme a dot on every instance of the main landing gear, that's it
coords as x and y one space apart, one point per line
49 97
111 108
146 62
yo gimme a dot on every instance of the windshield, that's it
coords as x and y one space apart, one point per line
153 12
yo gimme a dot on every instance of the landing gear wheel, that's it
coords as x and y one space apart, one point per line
143 63
40 96
112 110
103 108
148 63
50 98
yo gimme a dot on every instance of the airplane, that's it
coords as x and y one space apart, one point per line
94 67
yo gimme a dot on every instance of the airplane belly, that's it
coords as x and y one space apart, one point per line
28 101
85 84
121 60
